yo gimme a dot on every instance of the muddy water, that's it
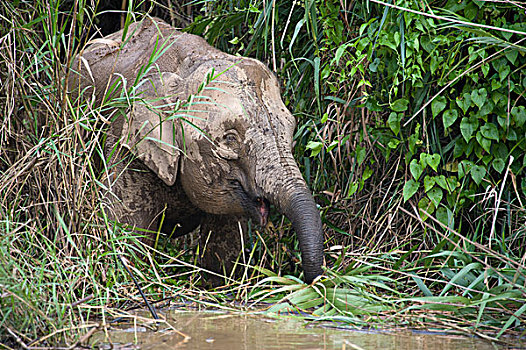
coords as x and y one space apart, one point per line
210 330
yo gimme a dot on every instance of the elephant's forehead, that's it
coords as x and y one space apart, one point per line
227 103
231 102
244 92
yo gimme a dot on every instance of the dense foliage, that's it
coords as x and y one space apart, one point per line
411 133
416 110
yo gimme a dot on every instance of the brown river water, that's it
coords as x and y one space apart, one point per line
223 331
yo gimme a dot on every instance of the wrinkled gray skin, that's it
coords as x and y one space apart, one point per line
230 170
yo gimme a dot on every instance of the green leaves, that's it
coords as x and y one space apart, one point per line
468 126
416 169
464 102
425 206
483 142
435 195
489 131
431 160
519 115
479 97
438 105
461 142
315 147
498 164
464 168
410 189
394 122
429 182
449 117
502 67
400 105
477 173
447 183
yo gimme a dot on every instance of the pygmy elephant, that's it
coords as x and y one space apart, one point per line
209 137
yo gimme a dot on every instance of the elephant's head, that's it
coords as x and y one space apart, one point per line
227 137
230 143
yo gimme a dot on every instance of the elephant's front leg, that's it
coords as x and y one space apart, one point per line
223 238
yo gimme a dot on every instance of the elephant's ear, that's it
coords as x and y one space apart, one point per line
150 130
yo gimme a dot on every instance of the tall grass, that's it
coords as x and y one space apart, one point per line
60 275
56 252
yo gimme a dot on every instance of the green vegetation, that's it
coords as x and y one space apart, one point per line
411 133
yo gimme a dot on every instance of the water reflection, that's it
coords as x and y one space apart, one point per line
209 330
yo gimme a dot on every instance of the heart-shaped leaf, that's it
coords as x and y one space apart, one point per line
477 173
445 216
438 105
498 164
503 73
449 117
441 181
464 102
400 105
464 168
500 150
468 127
487 108
511 55
499 63
483 142
451 183
490 131
519 115
315 147
433 160
435 194
460 147
429 182
495 84
479 97
485 69
416 169
410 189
423 160
394 122
425 206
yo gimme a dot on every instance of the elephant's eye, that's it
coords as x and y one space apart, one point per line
231 137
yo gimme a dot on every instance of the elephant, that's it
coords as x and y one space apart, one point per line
209 137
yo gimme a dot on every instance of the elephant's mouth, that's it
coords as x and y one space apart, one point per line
256 207
263 208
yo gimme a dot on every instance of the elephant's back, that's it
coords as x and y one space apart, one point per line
147 46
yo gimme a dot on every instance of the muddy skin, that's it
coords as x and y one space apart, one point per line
213 162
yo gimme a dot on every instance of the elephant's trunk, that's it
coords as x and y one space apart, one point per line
305 218
286 189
